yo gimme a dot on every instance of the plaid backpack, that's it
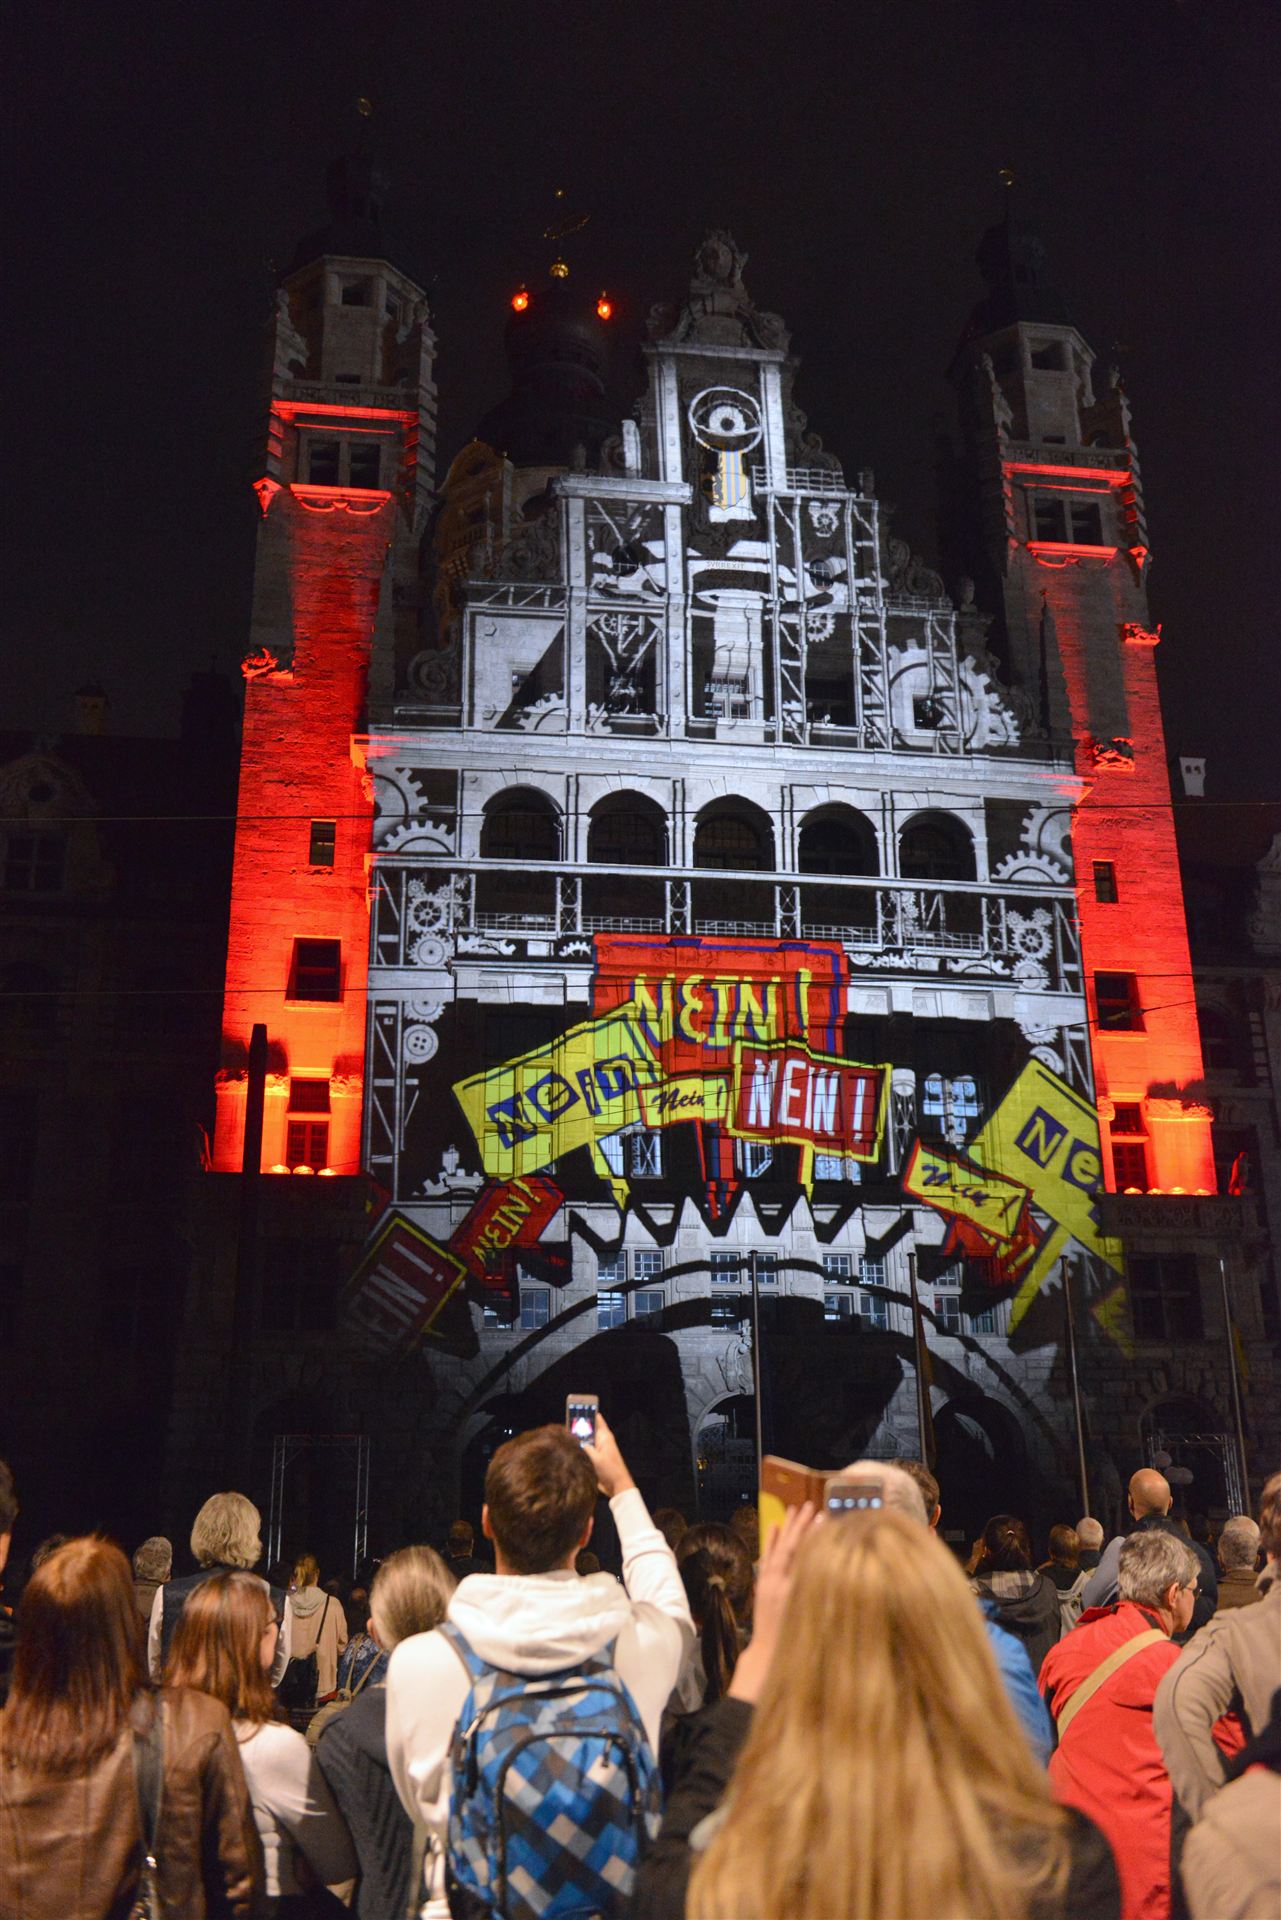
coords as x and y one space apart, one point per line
555 1792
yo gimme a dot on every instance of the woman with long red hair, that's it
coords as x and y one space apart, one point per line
225 1644
82 1728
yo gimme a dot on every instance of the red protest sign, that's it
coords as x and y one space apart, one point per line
507 1213
397 1295
815 1099
696 999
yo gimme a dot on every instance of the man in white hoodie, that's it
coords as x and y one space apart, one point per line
534 1614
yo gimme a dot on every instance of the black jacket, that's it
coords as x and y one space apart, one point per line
175 1599
705 1768
1027 1605
352 1755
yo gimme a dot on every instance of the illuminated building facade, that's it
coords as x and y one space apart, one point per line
651 882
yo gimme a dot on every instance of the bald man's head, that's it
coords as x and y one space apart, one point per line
901 1492
1149 1493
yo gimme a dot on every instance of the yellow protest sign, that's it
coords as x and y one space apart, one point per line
1046 1137
956 1186
585 1084
691 1096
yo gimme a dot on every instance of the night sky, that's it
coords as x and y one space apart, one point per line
163 161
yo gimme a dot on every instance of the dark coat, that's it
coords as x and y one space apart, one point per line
1026 1605
352 1755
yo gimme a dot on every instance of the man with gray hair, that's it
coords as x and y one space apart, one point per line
1238 1552
1090 1533
1100 1682
903 1493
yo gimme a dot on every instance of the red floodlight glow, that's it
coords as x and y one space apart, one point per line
604 306
520 299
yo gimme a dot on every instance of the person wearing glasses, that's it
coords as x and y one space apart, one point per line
1100 1683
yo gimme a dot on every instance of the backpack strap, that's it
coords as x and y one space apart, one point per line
1103 1673
473 1665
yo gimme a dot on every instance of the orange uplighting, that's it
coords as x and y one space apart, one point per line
604 306
520 299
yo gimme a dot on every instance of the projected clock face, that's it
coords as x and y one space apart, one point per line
725 420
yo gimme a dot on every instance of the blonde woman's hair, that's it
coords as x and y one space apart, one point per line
306 1570
227 1532
410 1594
885 1773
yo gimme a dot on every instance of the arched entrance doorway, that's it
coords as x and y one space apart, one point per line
981 1466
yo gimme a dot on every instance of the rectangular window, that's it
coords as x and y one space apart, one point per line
364 463
647 1302
306 1143
322 463
1046 356
33 862
725 1269
356 293
1165 1296
645 1156
871 1270
1117 998
309 1096
611 1273
834 1166
1086 519
1129 1148
872 1310
947 1311
316 973
982 1322
1105 882
611 1310
767 1269
729 1310
1049 519
323 837
839 1306
347 379
535 1308
755 1157
839 1267
649 1263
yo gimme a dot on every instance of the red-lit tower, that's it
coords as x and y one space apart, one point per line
347 470
1062 538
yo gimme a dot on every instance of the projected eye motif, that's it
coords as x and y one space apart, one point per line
725 420
727 423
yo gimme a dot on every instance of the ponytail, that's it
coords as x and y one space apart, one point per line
717 1570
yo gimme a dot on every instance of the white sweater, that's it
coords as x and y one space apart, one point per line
536 1623
293 1807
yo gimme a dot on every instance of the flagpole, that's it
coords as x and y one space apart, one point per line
924 1423
1237 1419
1070 1320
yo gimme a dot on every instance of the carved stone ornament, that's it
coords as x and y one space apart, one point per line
1137 636
434 674
909 574
1116 754
263 661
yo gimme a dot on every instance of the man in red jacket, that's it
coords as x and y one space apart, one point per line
1099 1683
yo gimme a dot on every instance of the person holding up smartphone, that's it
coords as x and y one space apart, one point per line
534 1615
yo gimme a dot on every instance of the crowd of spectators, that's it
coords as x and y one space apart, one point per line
847 1725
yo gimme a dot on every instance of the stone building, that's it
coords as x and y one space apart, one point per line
688 936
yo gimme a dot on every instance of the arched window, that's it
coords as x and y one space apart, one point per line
521 824
733 835
837 840
935 846
627 830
